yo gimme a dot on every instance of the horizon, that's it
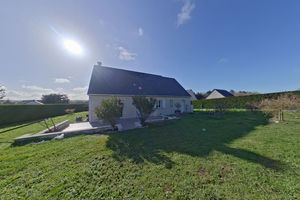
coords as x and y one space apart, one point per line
232 45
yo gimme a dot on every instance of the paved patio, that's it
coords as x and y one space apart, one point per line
85 128
79 126
126 124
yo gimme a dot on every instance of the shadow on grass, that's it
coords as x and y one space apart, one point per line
186 136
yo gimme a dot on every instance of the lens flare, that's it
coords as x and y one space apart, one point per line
72 46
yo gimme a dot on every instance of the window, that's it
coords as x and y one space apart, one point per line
171 103
164 103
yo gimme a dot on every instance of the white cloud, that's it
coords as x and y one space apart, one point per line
185 13
81 89
140 31
125 54
29 92
37 88
77 96
223 60
61 80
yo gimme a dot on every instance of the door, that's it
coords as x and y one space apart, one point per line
182 106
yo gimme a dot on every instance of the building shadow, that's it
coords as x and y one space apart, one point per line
194 134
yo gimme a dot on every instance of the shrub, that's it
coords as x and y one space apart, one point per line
221 106
252 106
144 106
110 110
276 106
178 106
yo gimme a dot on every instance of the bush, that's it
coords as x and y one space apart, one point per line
221 106
276 107
239 102
21 113
110 110
178 106
145 107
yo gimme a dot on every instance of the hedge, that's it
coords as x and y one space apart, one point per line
239 102
21 113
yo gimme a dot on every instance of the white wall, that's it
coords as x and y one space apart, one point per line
129 111
215 95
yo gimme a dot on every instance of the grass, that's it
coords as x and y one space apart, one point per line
7 133
239 156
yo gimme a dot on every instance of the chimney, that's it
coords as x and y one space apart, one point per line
99 64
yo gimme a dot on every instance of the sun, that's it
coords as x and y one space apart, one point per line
72 46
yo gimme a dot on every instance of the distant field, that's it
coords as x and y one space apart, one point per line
238 155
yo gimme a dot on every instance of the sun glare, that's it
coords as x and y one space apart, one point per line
72 46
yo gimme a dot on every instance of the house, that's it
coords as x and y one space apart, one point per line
107 82
32 102
217 93
192 94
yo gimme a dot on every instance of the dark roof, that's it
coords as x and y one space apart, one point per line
225 93
107 80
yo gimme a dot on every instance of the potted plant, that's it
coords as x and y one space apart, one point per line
177 111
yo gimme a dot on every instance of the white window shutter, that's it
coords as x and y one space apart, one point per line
164 103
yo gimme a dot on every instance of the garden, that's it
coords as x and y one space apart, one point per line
233 155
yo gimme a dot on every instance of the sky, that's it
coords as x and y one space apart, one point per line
250 45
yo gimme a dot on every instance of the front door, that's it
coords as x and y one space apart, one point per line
182 106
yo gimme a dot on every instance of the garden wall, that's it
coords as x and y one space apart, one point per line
239 102
20 113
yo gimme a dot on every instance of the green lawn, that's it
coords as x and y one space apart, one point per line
239 156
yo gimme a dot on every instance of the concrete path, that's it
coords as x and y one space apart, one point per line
84 128
79 126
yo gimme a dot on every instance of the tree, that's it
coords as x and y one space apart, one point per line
199 96
144 106
110 110
55 98
2 92
208 93
277 106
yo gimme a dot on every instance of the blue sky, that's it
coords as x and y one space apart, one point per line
251 45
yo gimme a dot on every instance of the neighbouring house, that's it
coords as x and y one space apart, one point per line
217 93
32 102
192 94
107 82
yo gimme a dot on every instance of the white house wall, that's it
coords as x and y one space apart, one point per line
215 95
129 110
